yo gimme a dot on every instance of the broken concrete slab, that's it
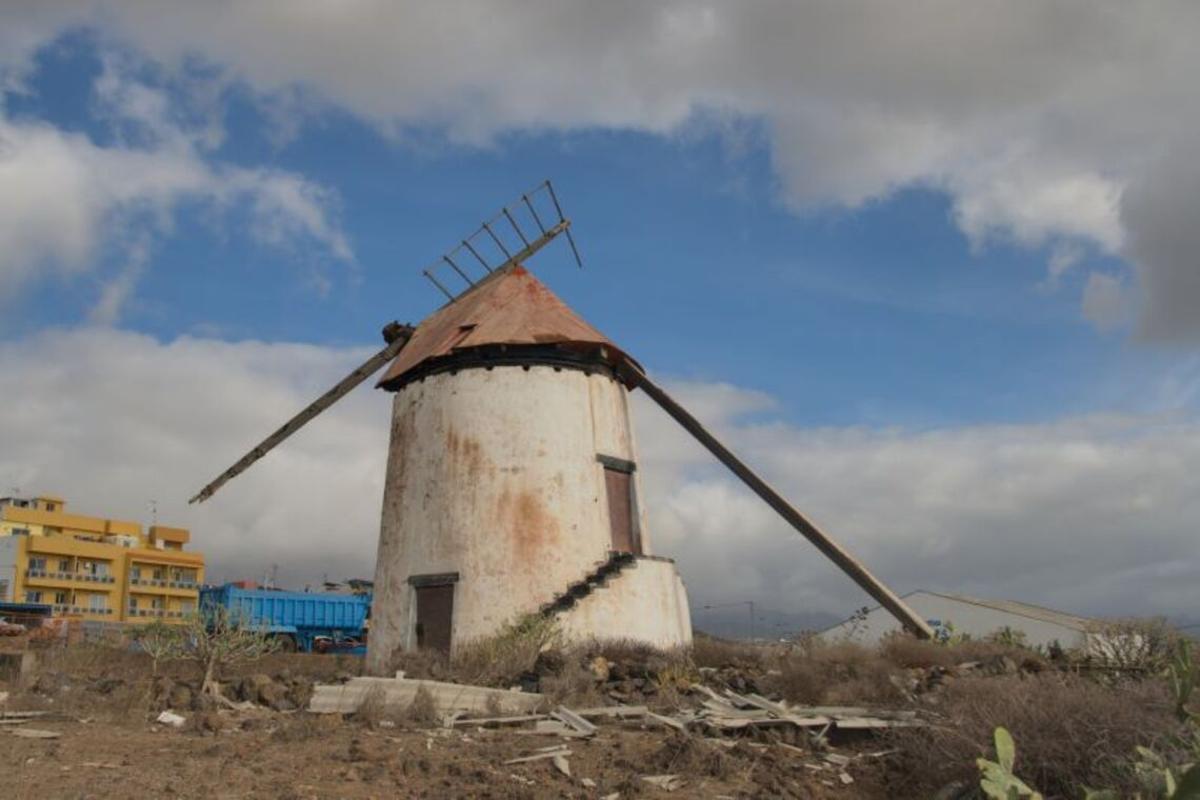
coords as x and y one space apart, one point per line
397 693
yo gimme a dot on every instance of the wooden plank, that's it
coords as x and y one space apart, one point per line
912 621
495 721
372 365
23 714
560 752
668 721
620 712
564 714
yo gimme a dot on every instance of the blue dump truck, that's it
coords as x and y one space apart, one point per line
305 621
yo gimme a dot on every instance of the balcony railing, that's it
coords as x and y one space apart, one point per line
64 608
148 612
69 576
164 583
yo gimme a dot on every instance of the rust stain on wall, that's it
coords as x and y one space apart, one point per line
464 456
533 528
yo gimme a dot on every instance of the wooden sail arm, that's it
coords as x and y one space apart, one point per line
397 337
634 375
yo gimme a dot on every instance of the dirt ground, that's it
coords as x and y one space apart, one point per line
102 704
270 755
1072 728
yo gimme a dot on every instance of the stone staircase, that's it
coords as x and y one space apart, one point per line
596 579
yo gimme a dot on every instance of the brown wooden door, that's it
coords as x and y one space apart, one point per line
435 610
622 514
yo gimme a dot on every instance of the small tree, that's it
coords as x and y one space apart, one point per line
160 641
218 638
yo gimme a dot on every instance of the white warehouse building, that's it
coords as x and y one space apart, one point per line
953 614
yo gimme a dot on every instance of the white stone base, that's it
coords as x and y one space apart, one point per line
646 602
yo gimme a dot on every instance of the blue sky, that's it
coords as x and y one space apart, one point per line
881 315
945 302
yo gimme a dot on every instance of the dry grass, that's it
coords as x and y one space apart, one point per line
709 651
1070 732
835 674
373 708
422 711
504 659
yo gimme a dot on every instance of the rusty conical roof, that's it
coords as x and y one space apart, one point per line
507 308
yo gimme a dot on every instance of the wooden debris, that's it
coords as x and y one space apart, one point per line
35 733
456 721
561 764
667 782
620 712
578 723
558 751
668 721
23 714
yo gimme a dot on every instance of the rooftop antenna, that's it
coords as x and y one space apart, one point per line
153 504
501 242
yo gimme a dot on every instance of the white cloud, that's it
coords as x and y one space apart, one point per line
66 201
1034 119
1094 515
114 419
1091 515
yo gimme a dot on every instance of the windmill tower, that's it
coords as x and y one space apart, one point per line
512 481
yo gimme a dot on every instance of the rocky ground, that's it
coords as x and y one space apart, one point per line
100 705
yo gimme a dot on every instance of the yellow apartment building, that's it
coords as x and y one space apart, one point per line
92 567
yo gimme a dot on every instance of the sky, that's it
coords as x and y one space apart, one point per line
933 272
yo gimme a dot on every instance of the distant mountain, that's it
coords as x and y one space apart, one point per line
734 623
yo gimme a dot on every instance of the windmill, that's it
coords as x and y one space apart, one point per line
512 484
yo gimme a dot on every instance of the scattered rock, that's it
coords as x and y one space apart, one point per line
171 718
599 669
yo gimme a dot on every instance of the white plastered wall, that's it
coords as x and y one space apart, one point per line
493 475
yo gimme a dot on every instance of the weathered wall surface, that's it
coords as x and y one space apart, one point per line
969 618
492 474
646 602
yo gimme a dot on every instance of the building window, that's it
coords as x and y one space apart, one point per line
51 506
37 564
96 603
33 597
133 603
186 607
157 602
61 599
135 573
64 565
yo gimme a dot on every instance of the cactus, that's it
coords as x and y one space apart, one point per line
998 780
